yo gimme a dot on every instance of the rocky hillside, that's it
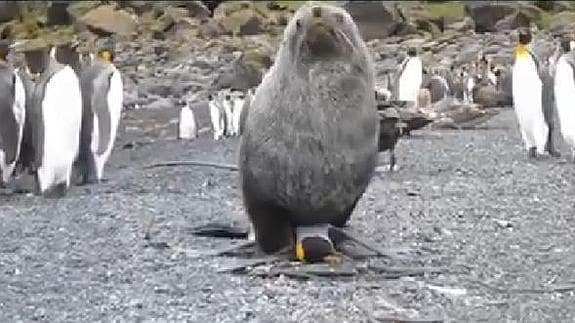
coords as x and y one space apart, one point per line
169 50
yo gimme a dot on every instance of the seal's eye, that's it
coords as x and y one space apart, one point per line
298 24
338 18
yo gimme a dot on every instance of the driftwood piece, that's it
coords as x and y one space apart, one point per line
193 163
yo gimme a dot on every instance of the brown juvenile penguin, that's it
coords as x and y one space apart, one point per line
309 147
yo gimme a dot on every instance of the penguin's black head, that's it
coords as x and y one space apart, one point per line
210 97
228 97
4 49
313 249
524 36
412 52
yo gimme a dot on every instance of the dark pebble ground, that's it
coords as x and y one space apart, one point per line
470 201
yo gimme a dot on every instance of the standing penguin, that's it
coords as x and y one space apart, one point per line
243 114
187 128
102 100
238 100
12 114
309 147
410 77
564 89
53 120
527 97
217 115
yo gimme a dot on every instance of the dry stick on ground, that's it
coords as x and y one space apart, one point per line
192 163
556 289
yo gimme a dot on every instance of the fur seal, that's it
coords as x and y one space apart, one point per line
102 101
309 147
12 114
527 97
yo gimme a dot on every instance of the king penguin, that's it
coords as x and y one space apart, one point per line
102 100
410 77
564 89
53 120
12 114
527 97
187 128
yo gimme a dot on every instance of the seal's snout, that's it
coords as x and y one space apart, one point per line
316 11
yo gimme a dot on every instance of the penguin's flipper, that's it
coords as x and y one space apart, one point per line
101 109
8 122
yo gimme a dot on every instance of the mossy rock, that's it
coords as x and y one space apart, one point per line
551 21
256 59
80 8
47 37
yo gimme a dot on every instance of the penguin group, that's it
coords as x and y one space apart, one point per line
226 108
543 93
58 119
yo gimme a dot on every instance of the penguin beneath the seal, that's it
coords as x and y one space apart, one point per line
102 100
527 97
12 114
564 89
309 147
410 77
53 121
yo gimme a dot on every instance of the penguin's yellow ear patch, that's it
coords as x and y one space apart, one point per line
106 55
299 252
521 51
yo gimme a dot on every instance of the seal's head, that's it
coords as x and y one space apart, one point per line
321 32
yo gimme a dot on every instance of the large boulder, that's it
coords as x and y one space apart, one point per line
375 19
487 14
8 10
246 72
57 13
108 20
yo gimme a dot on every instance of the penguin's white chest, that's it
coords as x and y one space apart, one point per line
187 124
527 91
410 80
62 116
564 86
